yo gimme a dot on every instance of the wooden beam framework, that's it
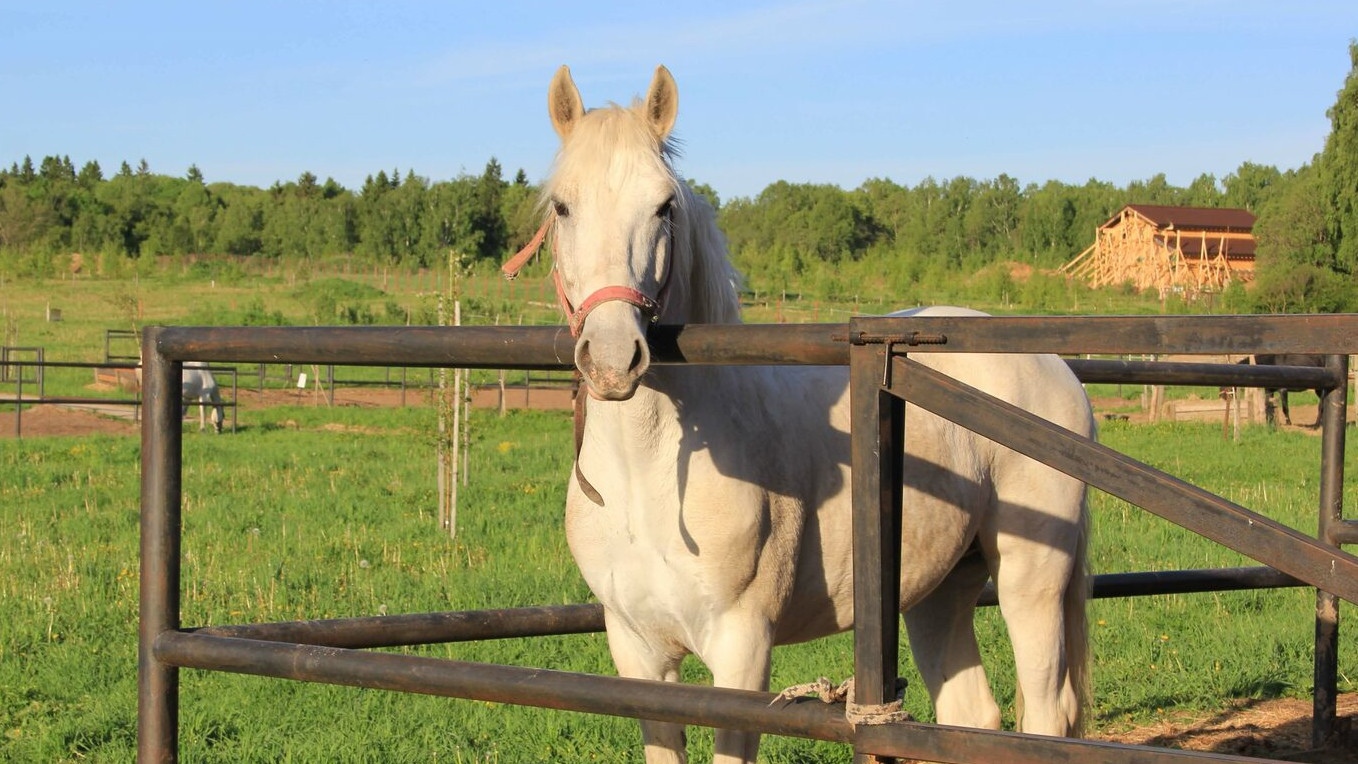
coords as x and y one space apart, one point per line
1132 249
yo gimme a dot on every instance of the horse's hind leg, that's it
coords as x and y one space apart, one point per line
943 641
1036 565
635 658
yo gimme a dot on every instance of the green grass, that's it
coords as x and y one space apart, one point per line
317 512
300 294
311 512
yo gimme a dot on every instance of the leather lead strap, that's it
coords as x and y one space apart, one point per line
581 395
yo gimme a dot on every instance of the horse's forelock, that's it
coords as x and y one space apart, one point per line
611 144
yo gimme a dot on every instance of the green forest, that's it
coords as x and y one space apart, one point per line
879 238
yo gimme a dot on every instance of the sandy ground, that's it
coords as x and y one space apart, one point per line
1278 729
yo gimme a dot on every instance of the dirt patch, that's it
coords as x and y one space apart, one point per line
55 420
378 397
1273 729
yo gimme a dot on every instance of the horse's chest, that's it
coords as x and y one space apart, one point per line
666 572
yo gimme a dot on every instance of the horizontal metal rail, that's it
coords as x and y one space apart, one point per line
1115 335
77 400
423 628
1203 374
72 364
555 620
552 347
642 699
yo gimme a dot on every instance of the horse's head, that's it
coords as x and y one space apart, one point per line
614 197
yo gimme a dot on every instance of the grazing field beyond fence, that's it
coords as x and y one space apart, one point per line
311 512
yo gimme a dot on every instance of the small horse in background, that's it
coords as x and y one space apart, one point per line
200 387
710 507
1286 359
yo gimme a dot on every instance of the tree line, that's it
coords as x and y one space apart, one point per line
53 209
822 239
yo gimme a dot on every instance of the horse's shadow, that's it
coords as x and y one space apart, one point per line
729 438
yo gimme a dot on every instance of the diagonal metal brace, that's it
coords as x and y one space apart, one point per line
1206 514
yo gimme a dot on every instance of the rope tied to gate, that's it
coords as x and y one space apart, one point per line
857 714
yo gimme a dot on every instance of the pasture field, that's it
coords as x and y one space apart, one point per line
223 294
314 512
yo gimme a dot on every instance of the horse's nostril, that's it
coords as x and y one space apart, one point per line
638 356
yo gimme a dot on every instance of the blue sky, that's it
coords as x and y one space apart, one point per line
816 91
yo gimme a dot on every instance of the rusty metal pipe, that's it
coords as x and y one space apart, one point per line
495 347
637 698
1202 374
1333 413
1119 335
161 470
471 625
424 628
551 347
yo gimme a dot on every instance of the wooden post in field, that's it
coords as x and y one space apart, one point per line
455 462
441 440
450 435
502 378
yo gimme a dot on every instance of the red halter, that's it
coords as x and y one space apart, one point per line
575 317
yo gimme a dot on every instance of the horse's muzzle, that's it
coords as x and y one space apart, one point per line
611 352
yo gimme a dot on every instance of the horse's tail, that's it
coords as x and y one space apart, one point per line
1076 621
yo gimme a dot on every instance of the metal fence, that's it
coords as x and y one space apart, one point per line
883 378
31 389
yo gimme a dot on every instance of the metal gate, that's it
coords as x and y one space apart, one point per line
883 379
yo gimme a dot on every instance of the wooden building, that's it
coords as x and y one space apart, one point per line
1186 250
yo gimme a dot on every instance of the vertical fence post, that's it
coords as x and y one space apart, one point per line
1333 413
19 405
877 459
161 461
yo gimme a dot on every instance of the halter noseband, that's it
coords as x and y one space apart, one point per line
650 307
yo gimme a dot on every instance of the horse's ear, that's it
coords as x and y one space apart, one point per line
662 103
563 102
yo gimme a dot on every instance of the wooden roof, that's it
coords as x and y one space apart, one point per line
1191 218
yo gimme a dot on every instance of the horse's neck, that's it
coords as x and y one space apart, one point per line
666 410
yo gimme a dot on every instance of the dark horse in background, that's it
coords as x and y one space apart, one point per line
1286 359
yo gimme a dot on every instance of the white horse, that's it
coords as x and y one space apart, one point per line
201 387
710 508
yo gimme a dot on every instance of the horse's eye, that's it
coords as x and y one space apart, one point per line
667 209
561 209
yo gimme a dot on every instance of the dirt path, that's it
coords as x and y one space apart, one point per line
1275 729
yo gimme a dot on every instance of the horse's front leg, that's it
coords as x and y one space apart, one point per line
738 653
639 658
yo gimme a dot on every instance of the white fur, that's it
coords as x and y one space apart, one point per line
726 526
200 387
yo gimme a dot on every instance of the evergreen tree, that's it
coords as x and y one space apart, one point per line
1339 172
90 175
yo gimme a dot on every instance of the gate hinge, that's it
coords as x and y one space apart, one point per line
907 338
